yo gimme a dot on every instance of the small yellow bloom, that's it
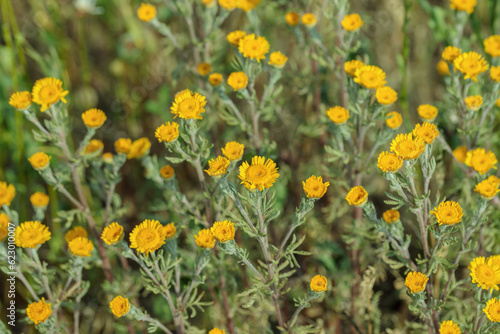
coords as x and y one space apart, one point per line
448 213
427 112
314 187
147 237
390 216
39 311
169 230
394 120
228 4
48 91
7 193
95 146
357 196
188 105
4 225
233 150
460 153
442 68
119 306
217 331
407 147
352 22
112 233
203 69
292 18
253 47
205 239
237 80
122 145
451 53
427 132
495 73
471 64
217 166
247 5
416 281
30 234
223 231
146 12
318 283
481 160
139 148
167 172
259 175
449 327
94 118
309 20
487 189
492 310
369 76
39 160
74 233
338 114
20 100
107 158
81 247
351 66
215 79
474 102
39 199
492 45
167 132
277 59
389 162
386 95
463 5
235 37
485 273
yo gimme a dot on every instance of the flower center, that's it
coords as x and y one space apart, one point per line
256 174
29 236
472 65
189 106
407 146
147 238
485 273
48 94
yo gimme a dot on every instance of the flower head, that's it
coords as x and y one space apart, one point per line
449 327
427 112
292 18
235 37
352 22
223 231
7 193
147 237
492 45
146 12
81 247
351 66
481 160
492 310
188 105
112 233
369 76
39 160
74 233
460 153
448 213
94 147
30 234
485 273
357 196
122 145
493 179
495 73
474 102
217 166
94 118
318 283
338 114
233 150
139 148
407 147
314 187
253 47
237 80
169 230
203 69
217 331
451 53
107 158
259 175
167 132
442 68
119 306
4 225
416 281
205 239
393 120
38 311
39 199
277 59
20 100
389 162
167 172
487 189
215 79
48 91
463 5
427 132
390 216
471 64
309 20
386 95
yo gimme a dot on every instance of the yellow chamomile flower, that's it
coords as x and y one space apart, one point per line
228 4
495 73
38 311
471 64
259 175
352 22
147 237
481 160
407 147
74 233
448 213
167 132
81 247
427 112
254 47
351 66
39 160
314 187
357 196
442 68
146 12
492 310
39 199
449 327
112 233
205 239
95 146
485 273
20 100
7 193
389 162
309 20
94 118
318 283
235 37
169 230
167 172
233 150
277 59
492 45
474 102
4 225
119 306
48 91
487 189
237 80
247 5
450 53
386 95
292 18
122 145
338 115
463 5
460 153
139 148
217 331
188 105
223 231
215 79
416 281
393 120
390 216
217 166
204 69
427 132
30 234
369 76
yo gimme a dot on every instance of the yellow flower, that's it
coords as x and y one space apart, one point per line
215 79
233 150
427 132
167 132
449 327
314 187
48 91
292 18
485 273
309 20
30 234
338 114
217 331
188 105
442 68
277 59
492 310
147 237
235 37
389 162
20 100
492 45
471 64
487 189
139 148
94 118
460 153
318 283
74 233
204 69
247 5
237 80
217 166
253 47
495 73
112 233
81 247
416 281
167 172
95 146
474 102
205 239
223 231
39 199
390 216
352 22
259 175
122 145
463 5
119 306
393 120
4 225
407 147
38 311
146 12
493 179
480 160
427 112
169 230
351 66
357 196
107 158
370 76
448 213
7 193
39 160
450 53
386 95
228 4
